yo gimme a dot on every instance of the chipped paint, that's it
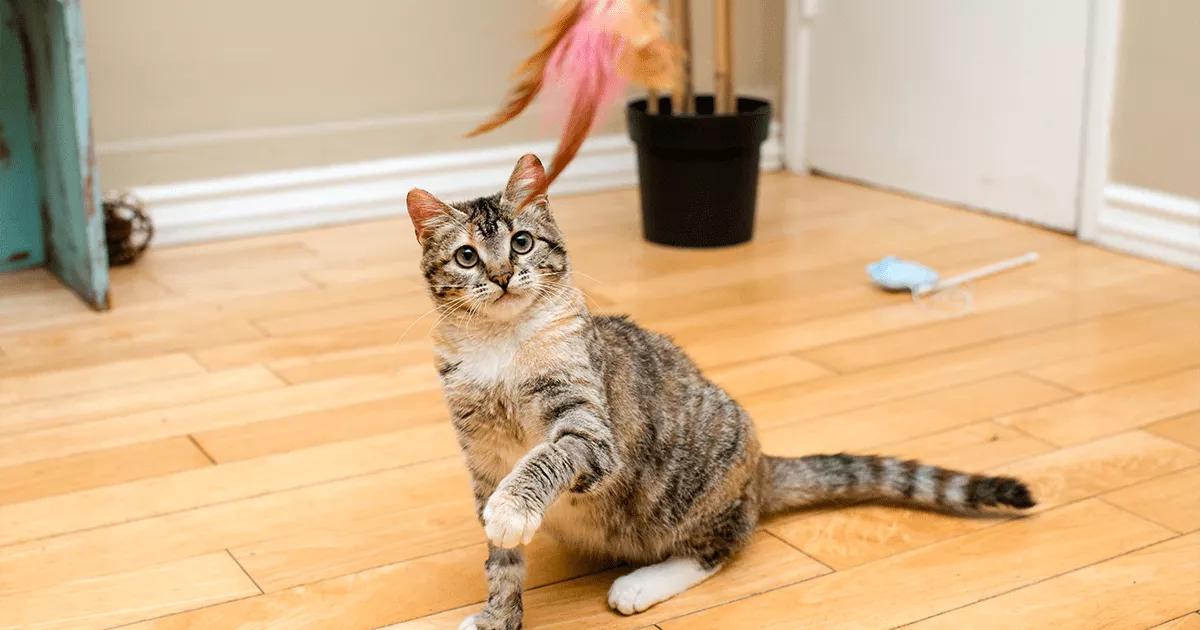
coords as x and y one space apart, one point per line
5 151
89 170
27 61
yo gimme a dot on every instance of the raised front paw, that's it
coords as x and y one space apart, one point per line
508 522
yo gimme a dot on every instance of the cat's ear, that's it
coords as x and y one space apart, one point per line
423 208
527 185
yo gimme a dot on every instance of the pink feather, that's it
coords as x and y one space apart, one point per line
584 69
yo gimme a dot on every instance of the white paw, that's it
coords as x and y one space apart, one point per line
650 585
629 594
468 623
507 523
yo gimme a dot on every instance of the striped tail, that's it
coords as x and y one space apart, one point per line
793 482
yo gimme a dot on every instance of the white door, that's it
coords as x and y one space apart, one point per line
974 102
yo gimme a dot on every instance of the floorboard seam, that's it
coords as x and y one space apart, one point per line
1044 579
199 447
215 503
248 576
982 342
802 552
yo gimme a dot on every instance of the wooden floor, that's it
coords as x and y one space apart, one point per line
254 436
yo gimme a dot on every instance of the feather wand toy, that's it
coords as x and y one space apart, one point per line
590 51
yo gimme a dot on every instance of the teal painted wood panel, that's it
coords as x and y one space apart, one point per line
73 222
21 243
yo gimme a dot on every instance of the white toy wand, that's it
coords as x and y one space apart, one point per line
965 277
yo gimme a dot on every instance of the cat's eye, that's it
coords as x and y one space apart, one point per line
466 256
522 242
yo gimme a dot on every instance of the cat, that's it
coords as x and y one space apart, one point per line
603 433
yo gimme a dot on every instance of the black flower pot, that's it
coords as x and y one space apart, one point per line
698 173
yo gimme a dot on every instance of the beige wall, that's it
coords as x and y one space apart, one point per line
186 89
1156 119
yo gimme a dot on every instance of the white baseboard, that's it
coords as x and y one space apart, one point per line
232 207
1151 223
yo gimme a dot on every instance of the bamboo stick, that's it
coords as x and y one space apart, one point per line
682 99
651 93
723 92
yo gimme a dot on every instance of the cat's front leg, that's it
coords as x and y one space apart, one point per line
506 578
571 461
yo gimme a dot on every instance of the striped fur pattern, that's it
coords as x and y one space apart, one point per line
795 482
603 434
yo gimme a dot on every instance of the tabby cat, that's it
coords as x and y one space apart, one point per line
605 434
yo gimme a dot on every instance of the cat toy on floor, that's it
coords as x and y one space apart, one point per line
590 51
895 274
128 229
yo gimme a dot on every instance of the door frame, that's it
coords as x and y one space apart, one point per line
1104 35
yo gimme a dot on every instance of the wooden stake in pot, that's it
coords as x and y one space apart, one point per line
652 94
682 99
724 95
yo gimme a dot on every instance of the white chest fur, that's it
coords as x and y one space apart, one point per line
499 354
489 363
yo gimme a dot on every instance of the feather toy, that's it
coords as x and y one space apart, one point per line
590 51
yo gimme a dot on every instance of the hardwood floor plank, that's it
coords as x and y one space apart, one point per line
1172 500
911 586
766 564
231 281
384 595
1061 309
1136 590
349 422
280 253
752 341
824 291
195 417
1184 429
756 376
42 303
51 384
1086 470
1186 622
414 351
50 477
905 418
371 538
128 597
880 384
856 535
830 295
412 303
215 485
266 350
120 336
1113 410
972 447
241 520
1126 365
127 399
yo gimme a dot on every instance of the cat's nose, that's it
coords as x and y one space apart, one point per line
502 279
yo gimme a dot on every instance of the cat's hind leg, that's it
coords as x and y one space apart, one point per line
649 585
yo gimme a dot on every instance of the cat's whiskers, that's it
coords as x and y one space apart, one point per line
452 304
